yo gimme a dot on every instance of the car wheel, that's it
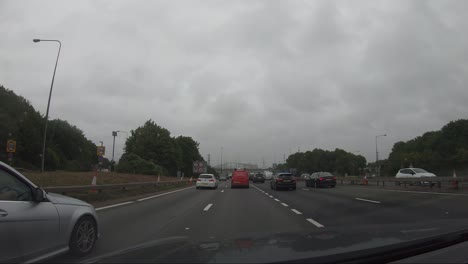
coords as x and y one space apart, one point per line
83 236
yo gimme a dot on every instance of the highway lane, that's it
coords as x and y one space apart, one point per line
345 206
201 215
225 213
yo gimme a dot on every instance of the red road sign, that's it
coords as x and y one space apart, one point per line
199 167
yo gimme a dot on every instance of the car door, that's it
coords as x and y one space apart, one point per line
313 179
32 228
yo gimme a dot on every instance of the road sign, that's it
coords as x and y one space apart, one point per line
199 167
101 151
11 146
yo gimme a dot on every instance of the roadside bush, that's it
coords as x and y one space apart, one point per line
132 163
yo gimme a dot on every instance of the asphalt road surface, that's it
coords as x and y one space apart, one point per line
226 213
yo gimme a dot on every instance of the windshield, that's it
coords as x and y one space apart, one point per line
419 170
230 131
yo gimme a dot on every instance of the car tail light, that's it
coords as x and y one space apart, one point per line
320 179
211 180
198 179
334 177
279 180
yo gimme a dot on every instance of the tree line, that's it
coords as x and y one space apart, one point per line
67 147
440 151
338 162
149 150
152 150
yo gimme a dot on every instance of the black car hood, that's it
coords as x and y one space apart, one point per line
380 243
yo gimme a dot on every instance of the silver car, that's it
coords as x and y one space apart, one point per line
35 225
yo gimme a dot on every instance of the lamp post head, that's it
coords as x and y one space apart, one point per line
36 40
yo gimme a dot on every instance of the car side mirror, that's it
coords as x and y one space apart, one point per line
412 173
39 195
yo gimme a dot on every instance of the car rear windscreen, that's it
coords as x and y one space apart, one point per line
326 174
285 175
258 175
205 177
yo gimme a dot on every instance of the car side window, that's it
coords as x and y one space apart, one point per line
12 189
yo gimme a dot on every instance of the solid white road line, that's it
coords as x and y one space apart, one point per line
317 224
277 200
388 190
208 207
365 200
283 204
296 211
162 194
114 205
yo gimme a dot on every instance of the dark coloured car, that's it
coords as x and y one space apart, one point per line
258 177
321 179
283 180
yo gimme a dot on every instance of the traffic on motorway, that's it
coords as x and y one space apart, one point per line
303 228
251 131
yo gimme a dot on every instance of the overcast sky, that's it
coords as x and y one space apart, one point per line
258 78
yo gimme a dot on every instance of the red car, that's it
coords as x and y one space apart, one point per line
240 178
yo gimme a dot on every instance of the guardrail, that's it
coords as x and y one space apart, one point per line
99 188
427 182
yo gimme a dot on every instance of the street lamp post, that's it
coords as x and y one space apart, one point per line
114 134
48 102
221 160
377 154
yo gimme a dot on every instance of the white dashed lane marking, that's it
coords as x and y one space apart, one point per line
296 211
365 200
208 207
312 221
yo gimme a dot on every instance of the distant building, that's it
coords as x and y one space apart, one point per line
228 166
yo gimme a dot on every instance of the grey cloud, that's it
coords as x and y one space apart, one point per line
260 78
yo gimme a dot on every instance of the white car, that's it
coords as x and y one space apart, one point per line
206 181
413 173
268 175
